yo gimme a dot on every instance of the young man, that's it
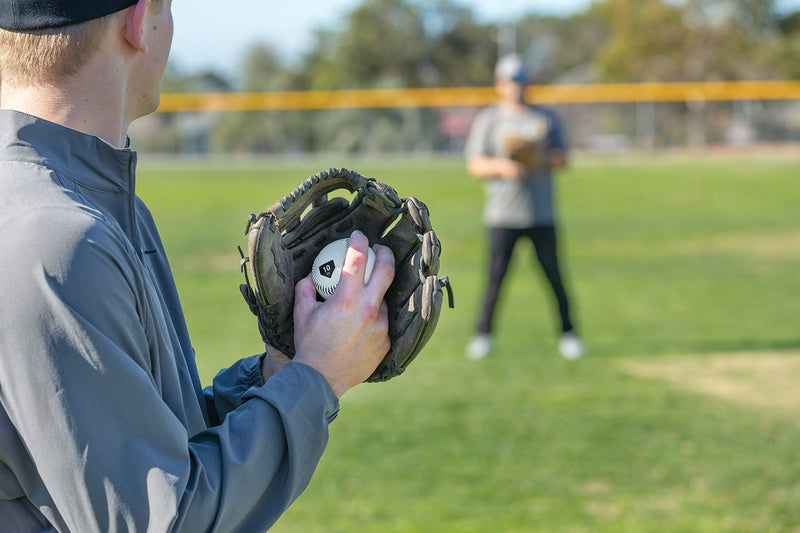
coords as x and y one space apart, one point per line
103 424
515 146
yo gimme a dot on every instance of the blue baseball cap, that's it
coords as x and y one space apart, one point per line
29 15
511 67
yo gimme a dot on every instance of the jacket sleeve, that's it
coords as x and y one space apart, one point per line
245 472
106 452
230 386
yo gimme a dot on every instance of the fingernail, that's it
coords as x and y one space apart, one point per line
356 232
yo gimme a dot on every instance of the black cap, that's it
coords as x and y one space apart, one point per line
26 15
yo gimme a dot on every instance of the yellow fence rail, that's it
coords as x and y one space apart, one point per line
480 96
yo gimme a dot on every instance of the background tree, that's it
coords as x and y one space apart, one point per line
248 131
439 43
394 44
649 42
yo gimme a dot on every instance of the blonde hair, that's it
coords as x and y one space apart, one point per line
46 56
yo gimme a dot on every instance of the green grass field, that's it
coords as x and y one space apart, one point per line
682 417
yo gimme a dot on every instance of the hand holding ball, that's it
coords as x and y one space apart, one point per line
328 267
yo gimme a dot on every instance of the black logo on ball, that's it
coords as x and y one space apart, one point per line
327 269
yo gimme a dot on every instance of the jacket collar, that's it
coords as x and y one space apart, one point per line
85 159
105 174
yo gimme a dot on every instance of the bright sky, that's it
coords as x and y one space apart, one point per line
210 33
214 34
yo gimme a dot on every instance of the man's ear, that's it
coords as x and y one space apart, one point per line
134 25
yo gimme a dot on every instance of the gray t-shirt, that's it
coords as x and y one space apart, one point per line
525 203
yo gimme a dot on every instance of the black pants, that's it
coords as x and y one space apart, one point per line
502 246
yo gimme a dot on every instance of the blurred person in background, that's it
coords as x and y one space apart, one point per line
104 426
514 147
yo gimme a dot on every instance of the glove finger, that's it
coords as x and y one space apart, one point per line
419 213
431 300
427 302
431 307
405 237
410 328
290 208
431 250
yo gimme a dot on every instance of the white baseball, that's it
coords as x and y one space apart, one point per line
328 267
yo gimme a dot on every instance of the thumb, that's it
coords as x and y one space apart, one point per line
305 297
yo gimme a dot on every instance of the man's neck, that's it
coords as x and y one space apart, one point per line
89 104
514 106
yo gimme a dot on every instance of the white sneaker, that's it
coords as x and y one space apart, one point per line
479 347
570 346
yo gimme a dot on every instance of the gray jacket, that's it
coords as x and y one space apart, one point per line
104 426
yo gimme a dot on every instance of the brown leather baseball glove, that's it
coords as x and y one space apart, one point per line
284 240
528 152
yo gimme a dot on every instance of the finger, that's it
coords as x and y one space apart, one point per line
305 298
382 272
355 265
